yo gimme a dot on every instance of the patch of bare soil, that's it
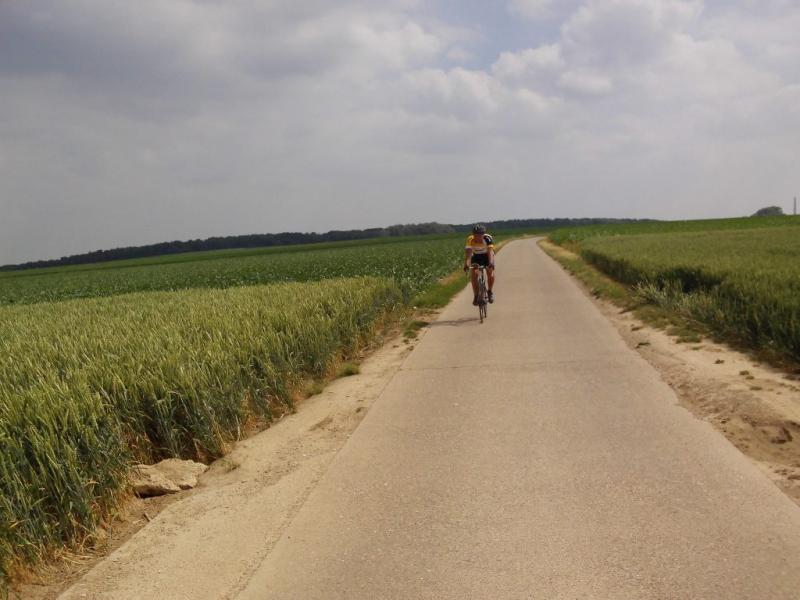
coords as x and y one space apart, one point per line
182 546
51 579
755 406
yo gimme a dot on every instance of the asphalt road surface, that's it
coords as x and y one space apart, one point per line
534 456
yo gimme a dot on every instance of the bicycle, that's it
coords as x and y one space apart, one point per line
483 292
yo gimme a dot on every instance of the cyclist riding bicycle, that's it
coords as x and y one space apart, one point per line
480 251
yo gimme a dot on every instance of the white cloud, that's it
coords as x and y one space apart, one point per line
394 46
583 82
625 33
541 9
767 33
459 54
458 93
193 119
517 66
711 70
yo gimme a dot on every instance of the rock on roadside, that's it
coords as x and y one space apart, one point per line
167 477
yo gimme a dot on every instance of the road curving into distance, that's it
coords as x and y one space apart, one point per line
534 456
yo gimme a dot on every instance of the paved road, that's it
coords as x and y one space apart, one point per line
534 456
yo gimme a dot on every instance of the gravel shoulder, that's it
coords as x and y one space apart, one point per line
755 406
752 404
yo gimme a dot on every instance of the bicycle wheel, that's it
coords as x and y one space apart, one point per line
482 295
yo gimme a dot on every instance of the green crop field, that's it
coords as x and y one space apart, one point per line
229 253
739 278
258 251
414 263
87 387
580 234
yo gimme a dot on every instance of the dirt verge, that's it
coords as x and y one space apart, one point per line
755 406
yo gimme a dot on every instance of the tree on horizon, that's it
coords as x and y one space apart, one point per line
769 211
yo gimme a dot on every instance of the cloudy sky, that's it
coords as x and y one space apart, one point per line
125 123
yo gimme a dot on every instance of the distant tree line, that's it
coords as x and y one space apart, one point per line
769 211
294 238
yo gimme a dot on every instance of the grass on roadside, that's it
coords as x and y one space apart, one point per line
439 294
347 369
412 329
314 388
599 285
627 299
735 286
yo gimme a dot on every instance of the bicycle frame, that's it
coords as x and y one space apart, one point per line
483 292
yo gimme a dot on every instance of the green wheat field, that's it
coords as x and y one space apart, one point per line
739 278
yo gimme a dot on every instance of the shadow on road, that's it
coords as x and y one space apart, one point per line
455 323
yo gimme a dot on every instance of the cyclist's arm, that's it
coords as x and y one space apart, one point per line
490 248
467 255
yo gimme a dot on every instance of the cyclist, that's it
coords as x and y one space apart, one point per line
480 251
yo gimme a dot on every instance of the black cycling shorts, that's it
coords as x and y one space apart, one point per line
480 259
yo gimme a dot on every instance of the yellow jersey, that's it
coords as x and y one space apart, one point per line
481 247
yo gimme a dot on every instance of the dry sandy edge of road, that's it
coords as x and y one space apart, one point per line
208 542
752 404
760 416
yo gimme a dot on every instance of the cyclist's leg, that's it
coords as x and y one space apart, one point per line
478 260
490 279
